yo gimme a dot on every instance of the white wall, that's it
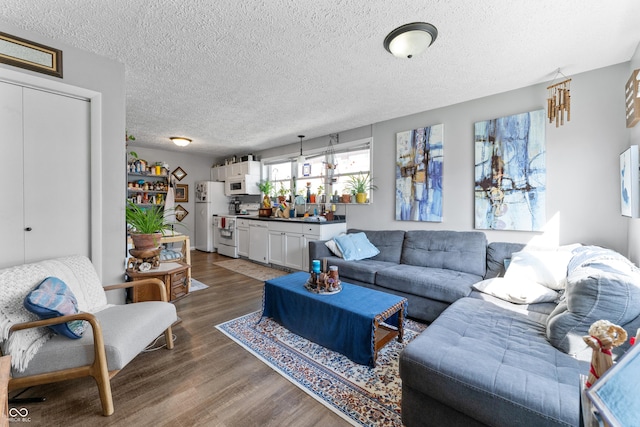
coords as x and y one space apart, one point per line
197 167
634 139
99 74
583 202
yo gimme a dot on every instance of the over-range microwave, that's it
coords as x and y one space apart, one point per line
241 184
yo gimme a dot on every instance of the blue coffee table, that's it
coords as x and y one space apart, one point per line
349 322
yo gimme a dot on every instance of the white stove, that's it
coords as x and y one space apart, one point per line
226 230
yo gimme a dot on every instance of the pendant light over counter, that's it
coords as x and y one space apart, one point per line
301 158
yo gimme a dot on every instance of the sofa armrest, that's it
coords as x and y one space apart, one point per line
318 250
158 282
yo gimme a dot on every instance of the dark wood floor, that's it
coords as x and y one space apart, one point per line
206 380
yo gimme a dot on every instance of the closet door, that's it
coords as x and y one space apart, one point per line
11 196
56 175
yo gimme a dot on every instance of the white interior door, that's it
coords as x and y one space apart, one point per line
57 174
11 182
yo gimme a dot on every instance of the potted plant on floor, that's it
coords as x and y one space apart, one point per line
361 184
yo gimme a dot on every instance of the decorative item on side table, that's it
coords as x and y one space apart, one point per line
146 228
325 283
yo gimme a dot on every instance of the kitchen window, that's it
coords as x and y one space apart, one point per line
352 159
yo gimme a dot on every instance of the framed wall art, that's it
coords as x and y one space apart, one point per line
629 188
182 193
180 212
510 173
178 173
30 55
419 161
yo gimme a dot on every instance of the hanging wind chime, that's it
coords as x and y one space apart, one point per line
559 101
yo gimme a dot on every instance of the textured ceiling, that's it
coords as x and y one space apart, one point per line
241 76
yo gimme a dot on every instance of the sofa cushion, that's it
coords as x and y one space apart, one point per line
601 284
463 251
548 268
52 298
434 283
363 270
355 246
494 365
519 291
389 242
127 329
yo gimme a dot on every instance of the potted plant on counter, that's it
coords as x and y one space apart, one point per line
360 185
266 187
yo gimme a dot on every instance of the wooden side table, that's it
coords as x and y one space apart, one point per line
175 276
186 248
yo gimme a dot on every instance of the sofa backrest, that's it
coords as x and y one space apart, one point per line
464 251
601 284
388 242
497 253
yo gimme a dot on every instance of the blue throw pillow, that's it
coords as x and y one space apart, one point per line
53 298
355 246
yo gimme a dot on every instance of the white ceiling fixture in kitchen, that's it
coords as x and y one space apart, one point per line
245 76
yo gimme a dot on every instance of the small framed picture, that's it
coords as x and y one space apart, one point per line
179 173
182 192
181 213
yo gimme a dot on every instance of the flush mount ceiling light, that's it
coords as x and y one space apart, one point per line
301 158
180 141
410 39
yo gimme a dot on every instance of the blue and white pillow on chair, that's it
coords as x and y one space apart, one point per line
53 298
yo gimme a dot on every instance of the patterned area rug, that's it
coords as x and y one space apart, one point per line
361 395
250 269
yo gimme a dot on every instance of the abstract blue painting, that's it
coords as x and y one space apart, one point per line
628 182
419 174
510 173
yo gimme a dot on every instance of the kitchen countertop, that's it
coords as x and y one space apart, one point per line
337 219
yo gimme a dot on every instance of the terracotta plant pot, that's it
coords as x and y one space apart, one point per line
346 198
265 212
146 241
361 197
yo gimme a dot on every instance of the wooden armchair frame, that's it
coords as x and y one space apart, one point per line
98 369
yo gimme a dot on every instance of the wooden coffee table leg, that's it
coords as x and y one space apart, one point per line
401 324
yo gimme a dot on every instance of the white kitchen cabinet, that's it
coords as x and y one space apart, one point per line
285 244
259 241
45 164
221 173
243 237
288 241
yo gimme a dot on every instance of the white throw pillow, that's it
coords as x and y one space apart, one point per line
516 291
333 247
548 268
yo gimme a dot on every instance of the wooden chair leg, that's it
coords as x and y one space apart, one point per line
5 375
168 336
104 388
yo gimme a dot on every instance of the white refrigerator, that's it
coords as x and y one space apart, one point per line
210 201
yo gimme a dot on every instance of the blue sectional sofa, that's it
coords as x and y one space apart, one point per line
482 360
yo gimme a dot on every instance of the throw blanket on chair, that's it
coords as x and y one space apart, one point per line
16 282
